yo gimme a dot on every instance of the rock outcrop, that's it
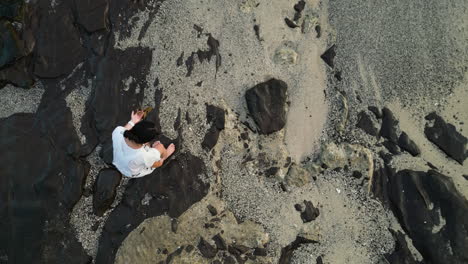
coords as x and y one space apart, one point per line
267 105
105 190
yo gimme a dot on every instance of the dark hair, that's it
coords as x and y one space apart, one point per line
142 132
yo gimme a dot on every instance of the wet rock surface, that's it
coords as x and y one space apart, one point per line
105 190
173 189
35 205
267 104
432 212
446 137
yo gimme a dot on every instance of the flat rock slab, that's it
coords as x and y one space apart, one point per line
58 49
172 189
92 14
433 213
119 90
267 105
446 137
39 185
105 190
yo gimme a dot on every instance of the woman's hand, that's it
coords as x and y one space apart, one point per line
136 117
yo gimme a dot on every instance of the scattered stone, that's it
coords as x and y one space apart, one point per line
344 110
105 188
310 212
328 56
285 56
446 137
297 176
215 116
376 111
257 32
267 105
298 207
465 176
407 144
392 147
366 123
228 260
260 252
299 7
220 242
319 260
318 30
272 171
389 126
180 60
290 23
174 225
212 210
357 158
206 249
357 174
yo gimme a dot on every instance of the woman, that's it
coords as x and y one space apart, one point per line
132 155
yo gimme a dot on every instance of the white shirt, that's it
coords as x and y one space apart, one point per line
131 162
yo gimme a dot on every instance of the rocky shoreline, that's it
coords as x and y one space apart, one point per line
306 131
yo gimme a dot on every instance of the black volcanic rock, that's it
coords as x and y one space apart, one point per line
328 56
220 242
433 213
39 186
446 137
290 23
407 144
215 116
113 101
310 212
401 254
207 250
105 190
176 186
392 147
389 129
205 55
92 14
58 48
366 123
267 105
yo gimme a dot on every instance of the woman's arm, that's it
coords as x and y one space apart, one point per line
135 118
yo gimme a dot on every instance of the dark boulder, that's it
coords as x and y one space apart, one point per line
329 56
267 105
207 250
215 116
39 185
389 129
366 123
433 213
290 23
401 254
376 111
446 137
409 145
220 242
92 14
105 190
176 187
310 212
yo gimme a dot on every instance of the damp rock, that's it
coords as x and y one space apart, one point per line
409 145
446 137
105 190
267 105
